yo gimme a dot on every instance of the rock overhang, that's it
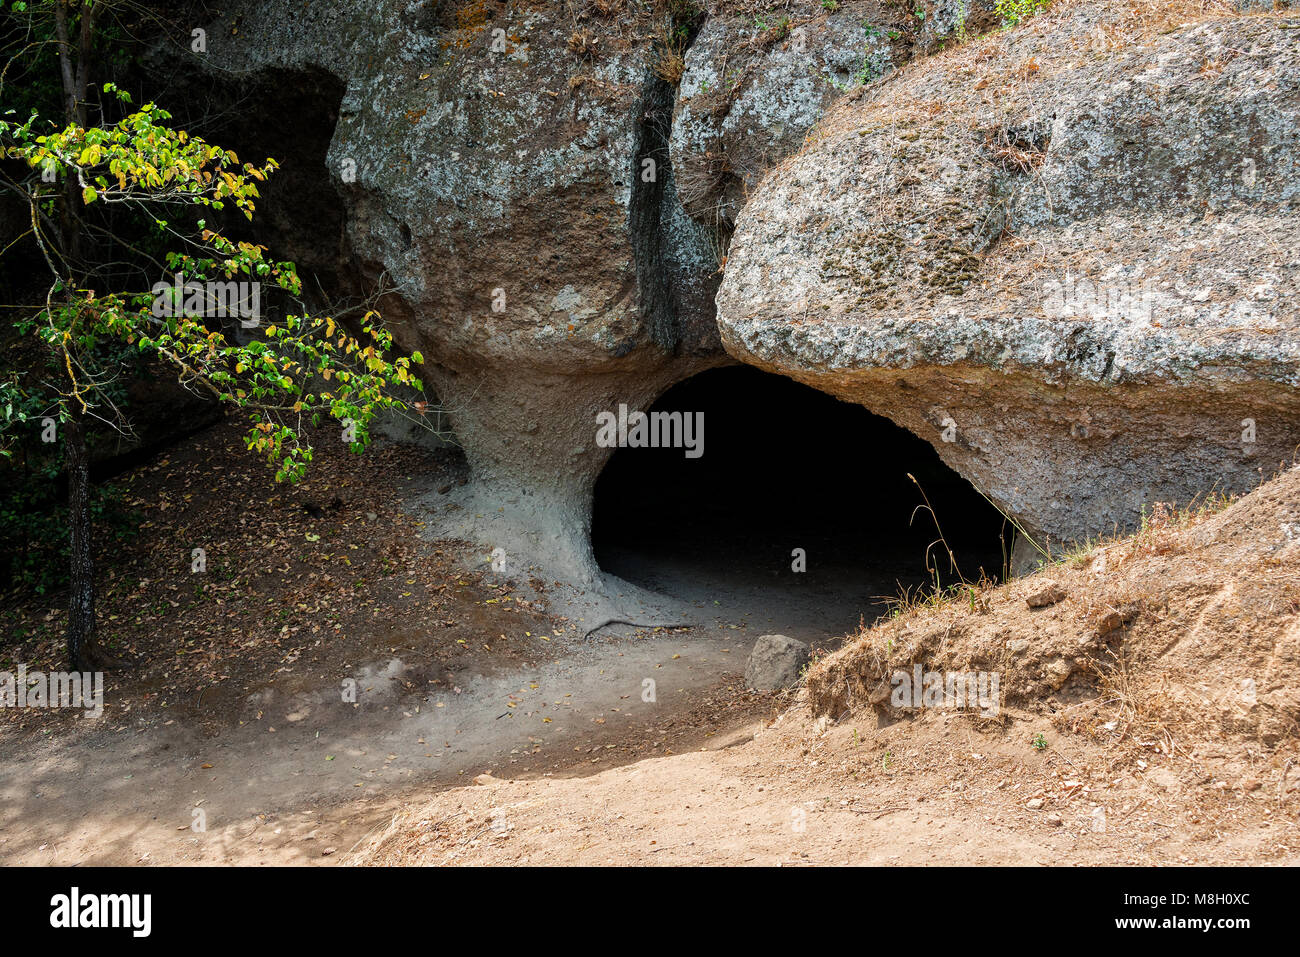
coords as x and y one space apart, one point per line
1093 287
468 173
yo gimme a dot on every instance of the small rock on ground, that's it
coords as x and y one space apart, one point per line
776 662
1048 593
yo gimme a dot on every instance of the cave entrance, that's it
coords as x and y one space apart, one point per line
786 467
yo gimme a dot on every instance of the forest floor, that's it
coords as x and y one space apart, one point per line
327 663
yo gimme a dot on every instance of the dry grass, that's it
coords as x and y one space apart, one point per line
1137 706
1013 153
699 184
583 43
1182 637
669 61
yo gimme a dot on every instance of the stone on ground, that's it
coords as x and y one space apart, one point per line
775 663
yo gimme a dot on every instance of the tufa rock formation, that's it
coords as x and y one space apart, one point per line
1065 253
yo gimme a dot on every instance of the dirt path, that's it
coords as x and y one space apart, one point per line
306 775
935 791
582 770
314 773
235 718
234 742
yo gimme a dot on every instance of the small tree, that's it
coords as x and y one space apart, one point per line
288 374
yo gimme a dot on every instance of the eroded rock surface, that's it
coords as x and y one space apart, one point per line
755 82
504 169
1066 255
509 169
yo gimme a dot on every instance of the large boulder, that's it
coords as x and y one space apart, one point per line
505 172
755 81
1066 254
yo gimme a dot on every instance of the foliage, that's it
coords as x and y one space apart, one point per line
1013 12
143 162
15 410
34 544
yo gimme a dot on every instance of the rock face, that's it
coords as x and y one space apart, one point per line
504 169
755 82
1065 255
509 170
776 662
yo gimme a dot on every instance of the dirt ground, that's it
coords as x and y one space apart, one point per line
933 792
314 776
276 708
480 728
1148 713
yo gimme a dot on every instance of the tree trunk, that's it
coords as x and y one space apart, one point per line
84 653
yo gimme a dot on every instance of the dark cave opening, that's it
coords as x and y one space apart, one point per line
786 467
